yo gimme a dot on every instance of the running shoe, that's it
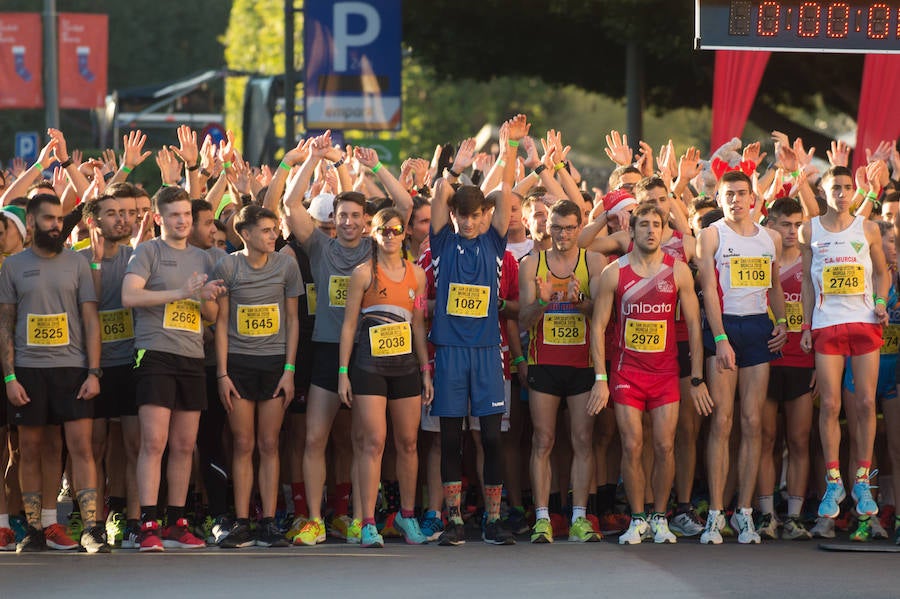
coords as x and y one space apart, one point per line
312 533
33 541
743 524
493 533
516 522
542 531
659 524
150 540
454 534
896 531
239 537
878 531
687 523
338 525
294 527
432 526
582 531
179 536
636 532
831 501
862 495
131 538
768 527
409 528
115 528
354 531
76 526
823 529
793 530
389 529
863 532
369 537
712 533
7 539
19 526
269 534
59 539
93 540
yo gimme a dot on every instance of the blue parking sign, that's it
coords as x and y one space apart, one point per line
353 64
27 146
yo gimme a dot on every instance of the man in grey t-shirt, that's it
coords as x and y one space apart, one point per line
50 351
332 260
166 284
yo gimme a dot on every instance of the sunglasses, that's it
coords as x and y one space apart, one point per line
394 231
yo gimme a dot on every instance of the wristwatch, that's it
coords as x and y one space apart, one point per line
97 372
696 382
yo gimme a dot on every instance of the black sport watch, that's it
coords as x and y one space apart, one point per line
97 372
696 382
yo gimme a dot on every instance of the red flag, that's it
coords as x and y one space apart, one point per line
21 64
83 40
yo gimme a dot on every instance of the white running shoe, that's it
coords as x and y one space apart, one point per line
712 534
661 533
824 528
743 525
636 532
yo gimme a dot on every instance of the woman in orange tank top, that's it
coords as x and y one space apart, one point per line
384 366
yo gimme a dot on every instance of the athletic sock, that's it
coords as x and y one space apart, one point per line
367 521
641 515
492 496
578 511
541 512
682 508
4 520
767 504
795 504
833 472
407 513
48 518
149 513
173 514
452 497
862 471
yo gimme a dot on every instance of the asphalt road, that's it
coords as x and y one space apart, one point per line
688 569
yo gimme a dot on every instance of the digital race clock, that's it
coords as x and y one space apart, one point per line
799 25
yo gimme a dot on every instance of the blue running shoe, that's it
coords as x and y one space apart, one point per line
370 537
831 502
431 526
409 528
862 495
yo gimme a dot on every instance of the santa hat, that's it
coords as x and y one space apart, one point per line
617 200
16 214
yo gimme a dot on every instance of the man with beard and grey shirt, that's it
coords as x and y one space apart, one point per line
49 324
166 283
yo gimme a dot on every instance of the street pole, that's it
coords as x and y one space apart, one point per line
51 66
289 84
634 92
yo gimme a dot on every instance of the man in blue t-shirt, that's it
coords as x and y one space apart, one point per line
468 377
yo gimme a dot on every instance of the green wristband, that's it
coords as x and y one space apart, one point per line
377 167
722 337
284 166
601 377
880 300
289 368
796 174
9 378
126 170
226 165
39 166
542 303
342 370
872 196
501 305
95 266
518 360
860 191
781 321
513 143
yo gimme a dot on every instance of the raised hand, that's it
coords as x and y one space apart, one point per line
751 153
62 154
299 153
226 147
483 162
689 164
187 150
554 139
465 155
786 157
109 161
532 160
882 152
517 127
169 167
839 155
617 148
804 157
366 156
645 161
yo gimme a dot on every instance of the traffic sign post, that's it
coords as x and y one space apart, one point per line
27 146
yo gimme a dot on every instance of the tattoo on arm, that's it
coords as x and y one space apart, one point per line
7 336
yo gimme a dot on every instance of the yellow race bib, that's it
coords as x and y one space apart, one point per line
393 339
48 329
469 301
311 299
564 329
260 320
182 315
844 279
337 291
891 337
116 325
793 312
755 272
648 336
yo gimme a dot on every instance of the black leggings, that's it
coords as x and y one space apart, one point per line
214 463
451 449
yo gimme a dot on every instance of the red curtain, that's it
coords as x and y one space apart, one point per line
736 80
878 117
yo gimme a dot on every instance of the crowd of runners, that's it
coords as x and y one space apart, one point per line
479 346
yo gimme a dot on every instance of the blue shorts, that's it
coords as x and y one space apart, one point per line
886 388
468 381
749 337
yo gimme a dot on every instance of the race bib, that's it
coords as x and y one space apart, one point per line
751 272
182 315
116 325
311 299
48 329
891 337
844 279
260 320
337 291
470 301
564 329
793 312
648 336
394 339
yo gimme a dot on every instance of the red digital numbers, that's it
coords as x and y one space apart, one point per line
879 21
837 20
769 21
810 19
